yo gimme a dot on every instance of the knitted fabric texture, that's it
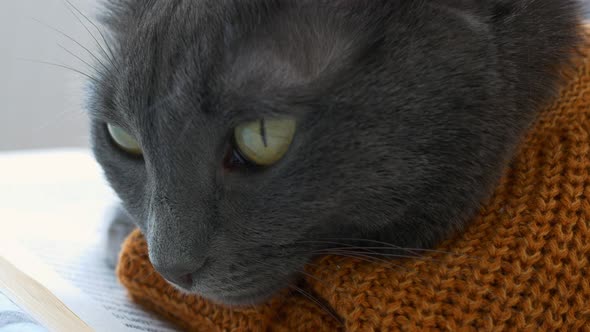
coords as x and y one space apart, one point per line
522 264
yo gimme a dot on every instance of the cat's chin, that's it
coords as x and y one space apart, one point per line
241 301
228 300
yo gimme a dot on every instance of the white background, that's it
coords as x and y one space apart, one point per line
42 106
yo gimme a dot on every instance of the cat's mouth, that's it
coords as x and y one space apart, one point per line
221 291
248 276
246 299
242 298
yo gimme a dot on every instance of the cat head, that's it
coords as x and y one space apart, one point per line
244 136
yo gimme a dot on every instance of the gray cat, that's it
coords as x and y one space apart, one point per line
246 137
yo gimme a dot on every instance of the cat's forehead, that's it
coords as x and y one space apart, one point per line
192 55
163 53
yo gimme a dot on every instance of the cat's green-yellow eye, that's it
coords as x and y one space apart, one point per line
124 140
265 142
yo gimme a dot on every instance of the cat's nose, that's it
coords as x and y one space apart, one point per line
177 248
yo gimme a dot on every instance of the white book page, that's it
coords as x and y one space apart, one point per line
83 266
53 204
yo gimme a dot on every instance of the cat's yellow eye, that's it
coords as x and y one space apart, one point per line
266 141
124 140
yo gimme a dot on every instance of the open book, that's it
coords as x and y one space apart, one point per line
53 276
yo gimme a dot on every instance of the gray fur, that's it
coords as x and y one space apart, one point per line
408 112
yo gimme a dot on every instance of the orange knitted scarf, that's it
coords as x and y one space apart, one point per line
522 264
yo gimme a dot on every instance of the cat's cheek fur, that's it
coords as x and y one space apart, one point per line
126 174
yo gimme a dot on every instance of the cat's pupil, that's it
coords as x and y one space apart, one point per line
263 133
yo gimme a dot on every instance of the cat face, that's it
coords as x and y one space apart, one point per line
243 137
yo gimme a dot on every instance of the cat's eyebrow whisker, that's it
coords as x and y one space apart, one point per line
323 306
78 57
104 39
61 66
70 6
73 40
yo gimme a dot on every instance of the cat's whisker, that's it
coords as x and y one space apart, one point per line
312 264
319 303
75 41
297 270
111 58
94 79
367 250
367 258
313 277
348 245
410 250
